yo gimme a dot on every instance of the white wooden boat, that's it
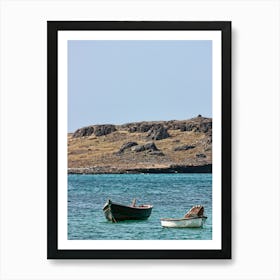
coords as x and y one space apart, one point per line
183 222
193 219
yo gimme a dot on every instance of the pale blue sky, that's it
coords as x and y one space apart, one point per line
126 81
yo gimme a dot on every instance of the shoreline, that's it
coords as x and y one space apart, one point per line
207 168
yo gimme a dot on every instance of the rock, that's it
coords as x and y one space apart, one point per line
151 147
144 127
200 155
184 148
158 132
175 125
100 130
137 149
178 125
191 127
126 146
156 153
205 127
97 130
132 129
198 124
183 128
85 131
139 127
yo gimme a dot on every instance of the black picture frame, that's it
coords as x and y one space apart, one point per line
53 27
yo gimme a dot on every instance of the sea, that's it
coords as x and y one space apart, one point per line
171 195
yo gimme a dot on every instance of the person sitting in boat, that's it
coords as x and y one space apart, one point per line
195 211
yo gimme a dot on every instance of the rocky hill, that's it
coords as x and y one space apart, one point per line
148 147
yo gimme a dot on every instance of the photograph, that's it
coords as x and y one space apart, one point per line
139 137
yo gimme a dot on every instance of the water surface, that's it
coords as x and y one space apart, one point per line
171 195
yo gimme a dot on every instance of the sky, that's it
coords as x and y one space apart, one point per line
136 80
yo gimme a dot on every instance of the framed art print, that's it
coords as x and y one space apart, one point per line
139 140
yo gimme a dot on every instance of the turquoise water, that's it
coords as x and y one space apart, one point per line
172 195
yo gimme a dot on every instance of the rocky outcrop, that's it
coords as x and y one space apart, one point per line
183 148
176 125
126 146
158 132
85 131
150 147
198 124
141 127
97 130
101 130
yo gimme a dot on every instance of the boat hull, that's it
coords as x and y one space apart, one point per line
183 223
116 212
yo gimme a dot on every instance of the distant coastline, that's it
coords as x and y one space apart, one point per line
167 170
176 146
